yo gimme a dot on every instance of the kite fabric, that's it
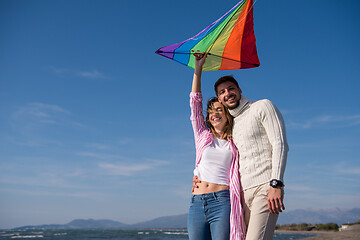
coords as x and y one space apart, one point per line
229 42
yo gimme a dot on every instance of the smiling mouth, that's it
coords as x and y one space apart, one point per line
217 119
231 98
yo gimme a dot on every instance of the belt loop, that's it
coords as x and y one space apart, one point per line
215 196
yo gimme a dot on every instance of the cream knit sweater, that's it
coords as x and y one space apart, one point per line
260 136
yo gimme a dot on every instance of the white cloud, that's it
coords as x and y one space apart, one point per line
33 121
343 168
330 121
94 74
41 112
353 170
51 193
300 188
99 146
125 169
345 119
100 156
44 176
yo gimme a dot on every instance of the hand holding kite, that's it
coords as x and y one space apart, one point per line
229 42
199 59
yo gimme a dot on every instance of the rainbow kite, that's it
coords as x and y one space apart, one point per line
229 42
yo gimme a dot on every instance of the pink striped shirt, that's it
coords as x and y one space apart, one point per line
203 138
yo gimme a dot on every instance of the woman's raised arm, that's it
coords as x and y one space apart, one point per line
199 62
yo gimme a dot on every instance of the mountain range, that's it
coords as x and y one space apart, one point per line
331 215
334 215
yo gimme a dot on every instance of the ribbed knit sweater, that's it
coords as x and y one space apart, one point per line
260 136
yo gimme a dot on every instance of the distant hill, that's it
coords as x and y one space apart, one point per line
82 224
178 221
335 215
332 215
91 223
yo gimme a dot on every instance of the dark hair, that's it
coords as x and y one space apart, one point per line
229 125
228 78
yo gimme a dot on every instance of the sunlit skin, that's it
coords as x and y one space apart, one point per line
229 94
218 119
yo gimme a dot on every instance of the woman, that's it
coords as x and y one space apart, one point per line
215 211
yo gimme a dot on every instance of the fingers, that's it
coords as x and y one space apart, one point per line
272 207
199 55
275 205
269 206
196 180
282 205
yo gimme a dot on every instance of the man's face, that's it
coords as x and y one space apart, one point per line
229 94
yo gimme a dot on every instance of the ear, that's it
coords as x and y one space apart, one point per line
240 90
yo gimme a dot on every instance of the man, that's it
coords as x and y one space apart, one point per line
259 134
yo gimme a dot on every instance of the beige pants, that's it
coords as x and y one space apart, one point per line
260 222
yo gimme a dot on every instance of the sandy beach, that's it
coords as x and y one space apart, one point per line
352 233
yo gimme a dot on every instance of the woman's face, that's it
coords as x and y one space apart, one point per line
217 116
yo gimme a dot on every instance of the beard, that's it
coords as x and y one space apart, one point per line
233 105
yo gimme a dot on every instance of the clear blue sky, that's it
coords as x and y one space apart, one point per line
94 124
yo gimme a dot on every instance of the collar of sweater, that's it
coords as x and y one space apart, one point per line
236 111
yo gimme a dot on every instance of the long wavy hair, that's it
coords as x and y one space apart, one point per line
230 122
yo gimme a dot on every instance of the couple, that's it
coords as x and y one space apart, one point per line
238 139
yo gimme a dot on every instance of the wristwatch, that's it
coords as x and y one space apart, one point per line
276 183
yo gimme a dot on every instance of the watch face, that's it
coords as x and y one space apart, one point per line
273 183
276 183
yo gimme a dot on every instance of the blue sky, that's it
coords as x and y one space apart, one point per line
95 125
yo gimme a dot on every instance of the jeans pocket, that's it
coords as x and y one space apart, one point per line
223 198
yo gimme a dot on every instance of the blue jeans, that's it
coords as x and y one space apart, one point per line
209 216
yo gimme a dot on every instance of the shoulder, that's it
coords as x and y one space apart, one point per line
263 108
261 103
205 137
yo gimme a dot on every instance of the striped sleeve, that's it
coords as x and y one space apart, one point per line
197 117
237 221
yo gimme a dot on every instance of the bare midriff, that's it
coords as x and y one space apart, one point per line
206 187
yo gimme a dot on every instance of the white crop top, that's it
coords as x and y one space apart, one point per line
214 166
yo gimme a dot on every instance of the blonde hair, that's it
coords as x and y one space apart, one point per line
230 122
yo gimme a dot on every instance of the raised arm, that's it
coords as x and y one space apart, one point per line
197 117
199 62
196 87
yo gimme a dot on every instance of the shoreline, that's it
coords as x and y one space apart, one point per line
352 233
